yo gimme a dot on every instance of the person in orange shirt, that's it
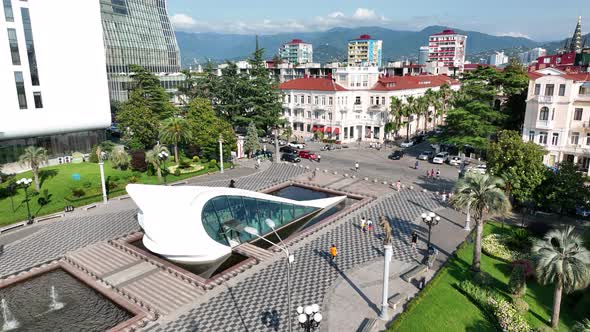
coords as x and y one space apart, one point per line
333 252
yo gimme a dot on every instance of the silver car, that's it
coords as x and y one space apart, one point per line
425 155
440 158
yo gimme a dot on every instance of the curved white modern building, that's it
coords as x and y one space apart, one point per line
200 225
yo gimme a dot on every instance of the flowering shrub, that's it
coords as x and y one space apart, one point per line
529 269
508 318
495 245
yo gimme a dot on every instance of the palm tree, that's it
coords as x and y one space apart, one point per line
562 259
433 100
396 111
408 109
422 104
445 95
152 156
33 157
483 196
175 130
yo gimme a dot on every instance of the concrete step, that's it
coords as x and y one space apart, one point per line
253 251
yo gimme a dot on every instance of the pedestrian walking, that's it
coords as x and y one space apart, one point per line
414 239
416 164
444 196
333 252
369 225
232 183
363 224
438 173
398 185
319 158
356 166
432 173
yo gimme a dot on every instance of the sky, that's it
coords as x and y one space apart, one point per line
541 20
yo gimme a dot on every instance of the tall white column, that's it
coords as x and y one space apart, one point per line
384 305
104 187
468 218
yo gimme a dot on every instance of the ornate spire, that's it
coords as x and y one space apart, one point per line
576 43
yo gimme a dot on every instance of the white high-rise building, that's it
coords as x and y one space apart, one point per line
45 101
448 47
497 59
296 52
423 56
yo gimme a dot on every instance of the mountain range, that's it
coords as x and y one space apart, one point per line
331 45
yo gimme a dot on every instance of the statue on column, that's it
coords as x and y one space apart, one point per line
384 222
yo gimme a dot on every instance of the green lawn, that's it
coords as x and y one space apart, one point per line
59 183
444 308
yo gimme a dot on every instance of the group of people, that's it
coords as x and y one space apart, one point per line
366 224
431 174
444 196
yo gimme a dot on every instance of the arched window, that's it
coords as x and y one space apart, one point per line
544 113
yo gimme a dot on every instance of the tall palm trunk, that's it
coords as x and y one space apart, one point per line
425 122
176 153
475 265
159 173
408 131
36 176
556 303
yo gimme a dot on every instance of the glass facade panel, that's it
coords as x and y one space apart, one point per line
30 46
12 41
221 211
20 90
38 99
8 14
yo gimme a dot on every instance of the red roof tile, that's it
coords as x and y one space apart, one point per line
580 77
412 82
445 32
312 84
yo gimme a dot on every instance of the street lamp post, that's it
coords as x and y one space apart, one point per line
220 153
25 183
277 144
101 167
309 317
163 156
431 220
285 249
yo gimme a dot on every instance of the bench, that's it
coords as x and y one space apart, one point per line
368 325
395 300
415 272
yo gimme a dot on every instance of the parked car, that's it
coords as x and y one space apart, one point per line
281 142
440 158
396 155
481 169
306 154
455 161
288 149
426 155
407 144
292 158
296 145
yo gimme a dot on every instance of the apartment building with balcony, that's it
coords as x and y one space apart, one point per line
354 105
364 51
448 47
296 52
558 116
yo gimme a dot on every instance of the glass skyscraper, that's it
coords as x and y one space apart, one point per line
137 32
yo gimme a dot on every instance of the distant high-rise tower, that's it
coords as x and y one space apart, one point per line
448 47
296 52
576 42
364 51
137 32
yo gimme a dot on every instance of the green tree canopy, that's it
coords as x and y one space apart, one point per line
519 163
206 128
147 85
251 144
563 189
137 122
175 130
34 157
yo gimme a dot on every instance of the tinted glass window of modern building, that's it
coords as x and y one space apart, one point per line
30 46
13 47
8 14
20 89
38 99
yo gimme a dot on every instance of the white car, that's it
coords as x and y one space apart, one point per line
481 169
455 161
440 158
407 144
425 155
296 145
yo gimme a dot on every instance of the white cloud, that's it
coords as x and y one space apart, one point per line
360 17
514 34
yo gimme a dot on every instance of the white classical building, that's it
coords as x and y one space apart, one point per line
44 45
558 116
354 104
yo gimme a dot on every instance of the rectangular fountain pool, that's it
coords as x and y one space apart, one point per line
57 301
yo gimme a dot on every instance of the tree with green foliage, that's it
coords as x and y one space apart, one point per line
433 100
396 111
445 95
228 95
205 130
148 87
175 130
251 144
517 281
408 110
483 195
562 259
421 108
287 133
515 82
563 189
153 157
34 157
519 163
119 158
262 96
138 124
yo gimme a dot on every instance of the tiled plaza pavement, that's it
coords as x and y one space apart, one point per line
84 228
259 302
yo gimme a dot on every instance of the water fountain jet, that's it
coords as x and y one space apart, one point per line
10 322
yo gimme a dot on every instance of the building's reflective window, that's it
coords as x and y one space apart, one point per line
12 41
30 46
20 90
38 99
8 14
